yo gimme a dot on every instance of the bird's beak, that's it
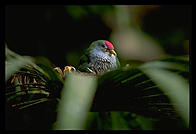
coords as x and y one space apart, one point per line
113 52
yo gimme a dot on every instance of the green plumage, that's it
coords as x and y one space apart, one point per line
84 63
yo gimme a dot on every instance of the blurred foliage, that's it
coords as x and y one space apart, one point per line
149 92
152 96
75 103
137 30
62 33
78 12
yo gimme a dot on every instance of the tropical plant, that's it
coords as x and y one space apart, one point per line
154 95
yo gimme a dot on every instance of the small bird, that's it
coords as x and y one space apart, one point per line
99 58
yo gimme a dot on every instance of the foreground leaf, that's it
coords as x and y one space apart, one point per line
76 100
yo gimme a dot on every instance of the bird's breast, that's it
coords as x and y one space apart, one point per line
102 63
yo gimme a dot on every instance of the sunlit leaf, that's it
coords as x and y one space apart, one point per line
77 96
156 91
173 85
14 65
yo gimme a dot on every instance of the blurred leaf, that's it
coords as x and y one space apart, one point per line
33 98
132 89
91 118
14 62
13 65
52 75
77 12
44 60
71 58
145 123
173 85
118 122
101 9
77 96
167 65
155 92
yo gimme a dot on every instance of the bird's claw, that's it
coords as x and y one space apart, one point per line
66 70
59 71
91 71
96 71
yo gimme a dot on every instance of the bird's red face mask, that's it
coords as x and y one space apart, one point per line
110 48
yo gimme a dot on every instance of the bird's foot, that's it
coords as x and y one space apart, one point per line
96 71
59 71
66 70
91 71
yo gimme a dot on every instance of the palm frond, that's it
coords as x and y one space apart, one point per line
136 90
128 98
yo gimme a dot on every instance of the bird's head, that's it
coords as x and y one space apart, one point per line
103 46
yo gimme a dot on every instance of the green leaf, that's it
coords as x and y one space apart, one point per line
14 65
118 122
132 89
77 96
50 73
156 90
14 62
167 65
174 85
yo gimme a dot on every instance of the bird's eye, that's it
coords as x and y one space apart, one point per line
103 45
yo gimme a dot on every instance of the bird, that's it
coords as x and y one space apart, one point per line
100 57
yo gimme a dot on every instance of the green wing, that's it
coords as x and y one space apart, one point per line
84 63
85 60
